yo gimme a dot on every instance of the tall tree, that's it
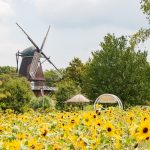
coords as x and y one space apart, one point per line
75 70
118 69
66 89
52 77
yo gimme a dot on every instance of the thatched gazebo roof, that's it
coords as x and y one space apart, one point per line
78 99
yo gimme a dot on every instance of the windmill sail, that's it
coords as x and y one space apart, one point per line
34 65
45 39
57 70
28 37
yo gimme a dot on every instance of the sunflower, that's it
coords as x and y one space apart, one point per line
73 122
13 145
144 131
117 143
44 132
109 129
1 128
98 123
145 118
21 136
130 118
32 144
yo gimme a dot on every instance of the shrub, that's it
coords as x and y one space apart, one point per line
42 103
17 92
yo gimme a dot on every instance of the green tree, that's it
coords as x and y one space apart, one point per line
75 70
7 70
145 6
66 89
140 37
3 93
51 77
17 90
118 69
42 103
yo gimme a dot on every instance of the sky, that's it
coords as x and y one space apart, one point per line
77 27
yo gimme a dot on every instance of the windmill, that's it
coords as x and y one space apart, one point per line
31 66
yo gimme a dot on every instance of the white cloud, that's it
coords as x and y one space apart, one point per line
5 8
90 13
6 46
6 12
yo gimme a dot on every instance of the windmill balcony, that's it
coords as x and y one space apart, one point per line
44 88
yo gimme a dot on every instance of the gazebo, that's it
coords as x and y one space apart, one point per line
78 99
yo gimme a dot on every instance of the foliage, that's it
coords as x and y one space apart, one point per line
7 70
143 34
3 93
140 37
66 89
52 77
145 6
75 70
17 90
119 70
42 103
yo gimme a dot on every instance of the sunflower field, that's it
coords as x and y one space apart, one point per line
108 129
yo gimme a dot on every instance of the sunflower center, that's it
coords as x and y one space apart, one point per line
94 116
97 112
44 133
131 118
109 129
32 146
147 138
72 121
98 124
145 130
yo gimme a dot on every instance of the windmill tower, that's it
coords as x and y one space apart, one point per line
31 66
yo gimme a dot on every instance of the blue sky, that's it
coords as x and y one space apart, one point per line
77 26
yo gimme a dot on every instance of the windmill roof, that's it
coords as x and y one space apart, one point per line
78 99
28 51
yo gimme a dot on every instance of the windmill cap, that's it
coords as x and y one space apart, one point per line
28 51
